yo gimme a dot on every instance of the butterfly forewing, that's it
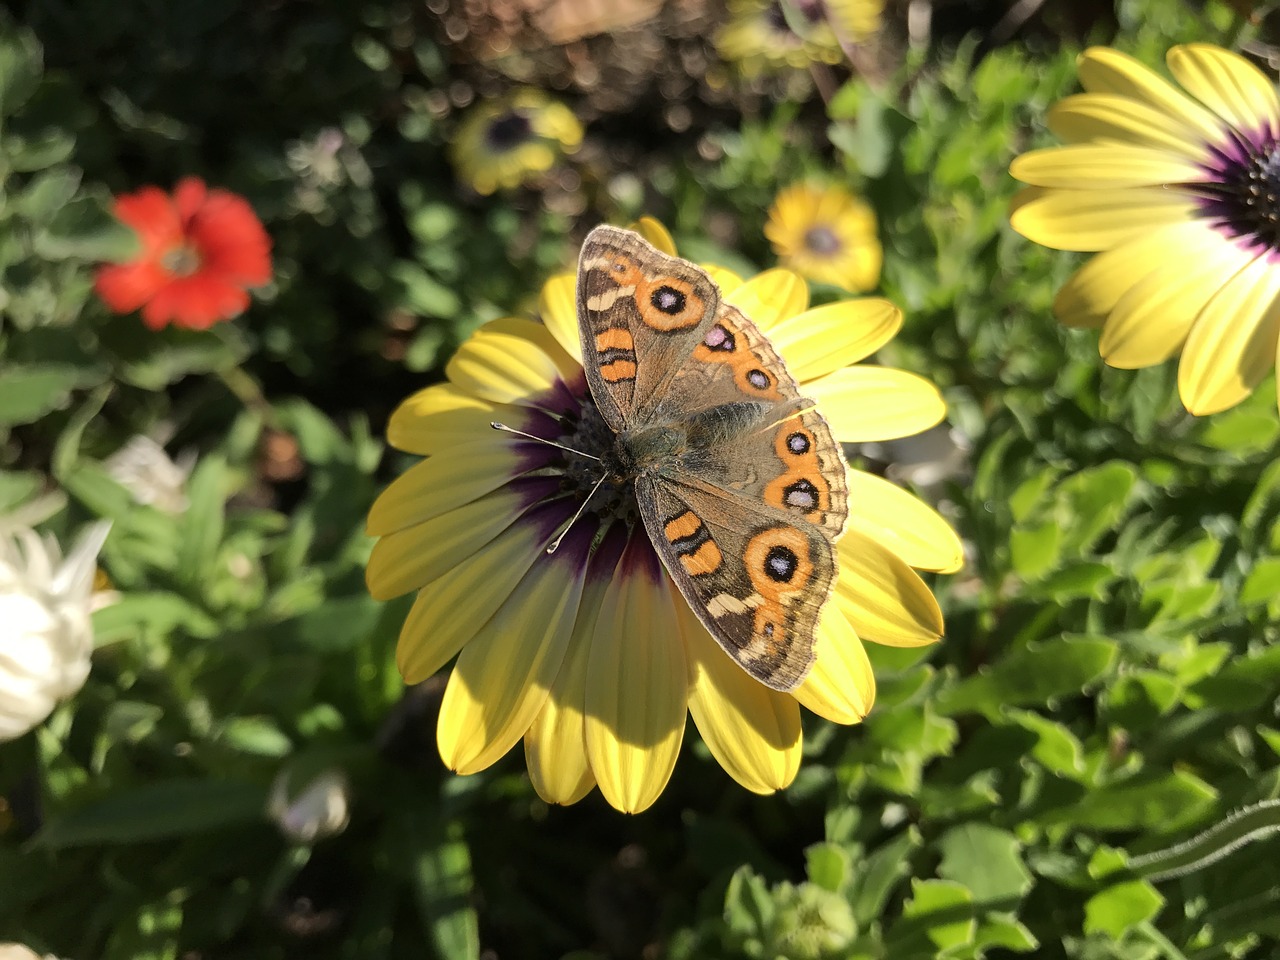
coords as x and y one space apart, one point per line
640 315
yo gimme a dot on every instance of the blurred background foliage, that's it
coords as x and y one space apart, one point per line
1108 685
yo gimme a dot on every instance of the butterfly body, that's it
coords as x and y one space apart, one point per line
740 484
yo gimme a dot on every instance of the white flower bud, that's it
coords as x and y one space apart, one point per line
143 468
319 810
46 638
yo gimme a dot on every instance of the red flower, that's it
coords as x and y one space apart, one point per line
201 250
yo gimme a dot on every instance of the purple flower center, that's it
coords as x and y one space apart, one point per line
822 241
1241 196
508 132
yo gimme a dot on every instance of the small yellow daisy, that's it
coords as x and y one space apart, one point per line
590 654
772 35
507 142
826 234
1180 197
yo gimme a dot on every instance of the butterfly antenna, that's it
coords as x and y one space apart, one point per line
551 443
555 544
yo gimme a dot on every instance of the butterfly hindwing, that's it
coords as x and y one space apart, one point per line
755 579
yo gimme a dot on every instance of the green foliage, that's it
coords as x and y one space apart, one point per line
1086 767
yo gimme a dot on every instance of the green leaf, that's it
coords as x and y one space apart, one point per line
1032 675
1092 500
17 487
1076 579
442 884
986 860
423 294
153 359
1162 802
84 230
47 193
168 808
879 873
27 393
1119 908
203 522
150 616
1262 585
1057 748
828 866
748 908
1030 493
21 64
942 909
39 150
1035 550
1006 933
259 736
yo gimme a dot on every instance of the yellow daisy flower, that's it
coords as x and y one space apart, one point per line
826 234
591 654
1179 195
772 35
507 142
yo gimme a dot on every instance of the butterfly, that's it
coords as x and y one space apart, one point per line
740 484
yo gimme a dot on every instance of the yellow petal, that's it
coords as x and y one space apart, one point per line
1105 70
555 746
558 308
449 611
841 686
866 403
502 676
884 599
1089 166
510 361
1093 291
722 277
1229 85
1233 343
411 558
904 523
1107 116
818 341
637 683
752 731
1092 220
770 297
439 484
1150 322
657 234
440 417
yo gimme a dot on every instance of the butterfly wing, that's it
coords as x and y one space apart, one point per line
635 301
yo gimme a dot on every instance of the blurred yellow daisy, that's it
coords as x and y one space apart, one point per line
507 142
826 234
1180 196
771 35
591 654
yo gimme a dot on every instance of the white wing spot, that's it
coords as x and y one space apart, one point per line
725 603
605 300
